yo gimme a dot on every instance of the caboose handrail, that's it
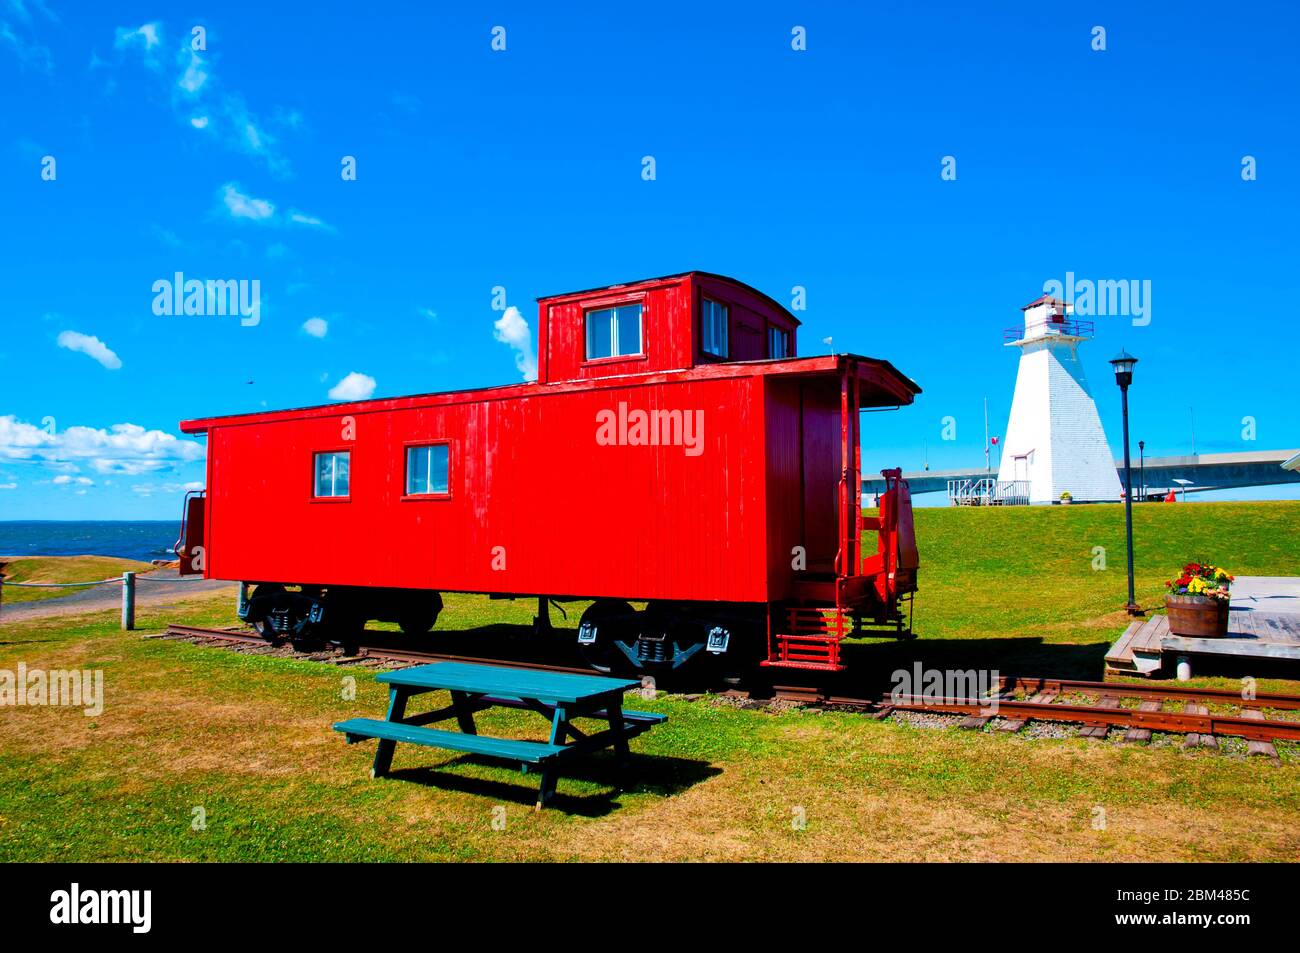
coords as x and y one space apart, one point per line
179 546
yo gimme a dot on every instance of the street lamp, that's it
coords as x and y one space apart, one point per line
1142 470
1123 364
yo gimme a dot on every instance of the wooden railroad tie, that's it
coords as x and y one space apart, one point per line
1193 739
1100 731
979 721
1015 724
1142 734
1258 749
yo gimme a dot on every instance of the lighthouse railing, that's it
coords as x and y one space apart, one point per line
1066 327
988 492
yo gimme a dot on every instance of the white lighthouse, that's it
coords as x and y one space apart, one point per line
1054 438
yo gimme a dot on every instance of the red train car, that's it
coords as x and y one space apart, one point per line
674 451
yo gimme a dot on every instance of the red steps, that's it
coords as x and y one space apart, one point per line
812 641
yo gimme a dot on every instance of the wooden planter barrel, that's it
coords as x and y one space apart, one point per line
1197 617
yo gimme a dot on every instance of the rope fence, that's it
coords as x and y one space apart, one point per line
127 581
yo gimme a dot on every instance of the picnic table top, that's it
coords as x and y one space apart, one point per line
508 682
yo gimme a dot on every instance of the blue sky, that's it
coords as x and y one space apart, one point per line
522 169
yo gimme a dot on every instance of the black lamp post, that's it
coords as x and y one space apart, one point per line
1142 470
1123 364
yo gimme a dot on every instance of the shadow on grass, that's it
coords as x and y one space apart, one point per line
644 774
870 664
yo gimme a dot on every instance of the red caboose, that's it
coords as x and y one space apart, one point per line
673 451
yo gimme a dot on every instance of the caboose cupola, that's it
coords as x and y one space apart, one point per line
660 324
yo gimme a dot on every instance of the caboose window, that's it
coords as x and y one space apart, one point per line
426 470
778 342
332 471
614 332
715 328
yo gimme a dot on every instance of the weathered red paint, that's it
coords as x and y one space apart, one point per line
538 506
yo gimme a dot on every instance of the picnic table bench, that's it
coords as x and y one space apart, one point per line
559 696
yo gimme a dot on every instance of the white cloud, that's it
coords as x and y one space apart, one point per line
8 486
64 479
195 75
91 346
145 37
429 313
353 387
311 221
199 100
29 52
247 134
316 327
241 205
19 7
122 448
245 206
168 489
512 329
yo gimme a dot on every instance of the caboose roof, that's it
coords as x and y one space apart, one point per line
883 385
668 279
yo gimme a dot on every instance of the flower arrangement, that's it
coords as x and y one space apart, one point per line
1201 579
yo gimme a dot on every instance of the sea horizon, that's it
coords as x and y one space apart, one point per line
142 540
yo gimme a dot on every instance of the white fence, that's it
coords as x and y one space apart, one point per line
988 492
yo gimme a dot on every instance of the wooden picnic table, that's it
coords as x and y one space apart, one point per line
559 696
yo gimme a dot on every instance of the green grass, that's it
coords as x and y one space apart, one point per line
1003 569
61 569
247 739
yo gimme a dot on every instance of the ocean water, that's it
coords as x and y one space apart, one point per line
143 540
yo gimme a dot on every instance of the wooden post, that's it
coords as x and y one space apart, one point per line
128 601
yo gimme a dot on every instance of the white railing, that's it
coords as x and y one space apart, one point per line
988 492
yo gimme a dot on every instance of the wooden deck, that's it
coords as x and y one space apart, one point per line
1264 623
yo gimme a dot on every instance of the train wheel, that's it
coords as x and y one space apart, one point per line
614 621
346 630
421 615
268 604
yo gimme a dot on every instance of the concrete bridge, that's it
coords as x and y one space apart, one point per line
1205 471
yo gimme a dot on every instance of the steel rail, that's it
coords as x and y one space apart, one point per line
1135 690
375 651
1168 721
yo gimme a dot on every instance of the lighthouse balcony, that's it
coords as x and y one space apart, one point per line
1053 327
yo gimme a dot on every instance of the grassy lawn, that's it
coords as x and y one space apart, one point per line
246 738
62 569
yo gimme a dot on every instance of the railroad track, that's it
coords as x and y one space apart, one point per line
1017 702
385 653
1152 708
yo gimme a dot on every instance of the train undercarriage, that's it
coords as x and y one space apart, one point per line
613 635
